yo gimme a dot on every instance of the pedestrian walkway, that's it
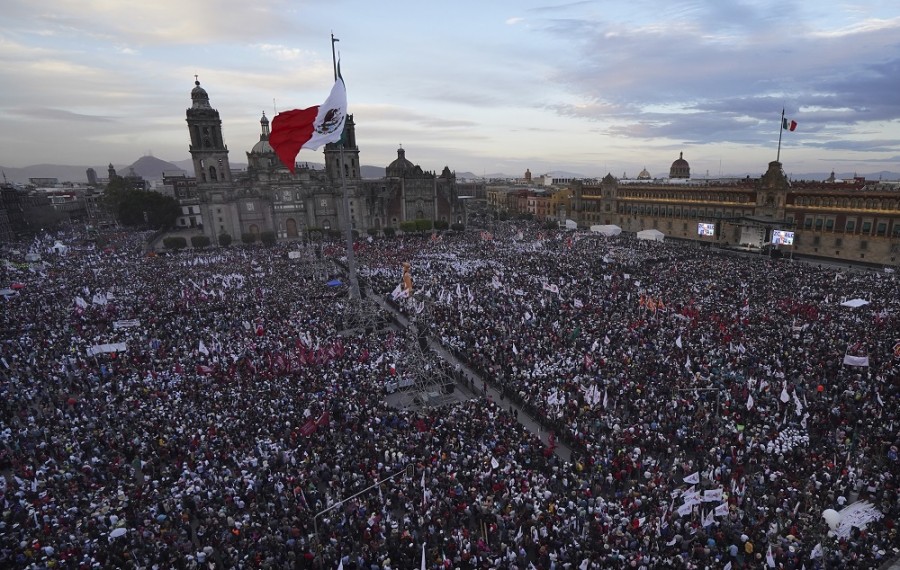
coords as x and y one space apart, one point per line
478 386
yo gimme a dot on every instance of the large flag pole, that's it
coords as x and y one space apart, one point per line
348 224
780 130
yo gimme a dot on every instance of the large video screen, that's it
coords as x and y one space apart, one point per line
782 237
704 229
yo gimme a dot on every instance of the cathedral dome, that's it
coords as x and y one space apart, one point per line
261 147
644 175
401 165
680 168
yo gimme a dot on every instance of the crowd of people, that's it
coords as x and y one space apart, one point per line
217 408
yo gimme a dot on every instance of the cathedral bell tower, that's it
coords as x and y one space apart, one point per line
208 150
351 155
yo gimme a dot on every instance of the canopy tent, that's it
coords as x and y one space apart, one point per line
608 230
854 303
654 235
571 225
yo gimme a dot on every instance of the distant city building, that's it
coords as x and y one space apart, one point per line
91 176
43 182
132 180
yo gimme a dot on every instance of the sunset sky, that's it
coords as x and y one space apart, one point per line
490 86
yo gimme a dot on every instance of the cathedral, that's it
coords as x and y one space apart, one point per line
268 197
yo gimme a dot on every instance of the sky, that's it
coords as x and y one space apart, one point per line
488 86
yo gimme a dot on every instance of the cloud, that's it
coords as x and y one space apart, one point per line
514 20
282 53
161 22
50 114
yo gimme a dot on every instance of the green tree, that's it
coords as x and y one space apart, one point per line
457 227
200 241
141 207
267 238
389 232
248 237
441 225
175 243
224 239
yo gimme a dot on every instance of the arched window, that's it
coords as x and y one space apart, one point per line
212 174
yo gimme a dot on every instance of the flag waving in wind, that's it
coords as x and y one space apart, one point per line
310 128
788 124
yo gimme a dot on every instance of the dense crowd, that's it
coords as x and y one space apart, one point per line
219 409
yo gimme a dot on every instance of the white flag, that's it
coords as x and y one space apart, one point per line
727 566
784 394
423 556
721 510
817 552
202 349
678 341
750 402
770 560
515 350
693 479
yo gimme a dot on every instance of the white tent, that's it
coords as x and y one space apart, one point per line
854 303
608 231
571 225
654 235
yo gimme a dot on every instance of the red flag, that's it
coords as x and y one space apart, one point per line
789 124
308 428
310 128
323 419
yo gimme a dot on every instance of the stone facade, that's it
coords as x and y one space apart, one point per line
268 197
855 221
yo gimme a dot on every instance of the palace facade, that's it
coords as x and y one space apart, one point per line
854 220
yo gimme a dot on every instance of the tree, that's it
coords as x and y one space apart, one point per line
141 207
441 225
457 227
200 241
389 232
224 240
248 238
175 242
267 238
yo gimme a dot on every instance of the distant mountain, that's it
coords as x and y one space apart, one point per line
370 171
62 172
150 168
188 165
